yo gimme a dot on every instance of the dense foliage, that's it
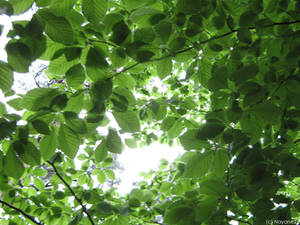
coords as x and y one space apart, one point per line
229 94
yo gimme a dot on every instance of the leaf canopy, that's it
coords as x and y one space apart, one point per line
218 79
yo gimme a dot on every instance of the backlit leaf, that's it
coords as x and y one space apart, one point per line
68 141
39 98
101 152
13 166
40 126
94 10
48 145
198 164
6 78
113 142
58 28
128 121
164 68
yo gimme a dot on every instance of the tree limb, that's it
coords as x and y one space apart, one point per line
202 42
21 211
72 192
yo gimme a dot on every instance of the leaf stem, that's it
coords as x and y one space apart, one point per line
72 192
21 211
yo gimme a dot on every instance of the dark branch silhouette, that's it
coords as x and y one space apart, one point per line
72 192
201 43
21 211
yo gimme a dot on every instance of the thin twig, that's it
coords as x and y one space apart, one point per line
22 212
104 42
201 43
38 74
238 220
72 192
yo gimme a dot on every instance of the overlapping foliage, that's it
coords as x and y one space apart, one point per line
231 73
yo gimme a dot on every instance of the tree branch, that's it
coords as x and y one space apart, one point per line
201 43
238 220
22 212
38 74
72 192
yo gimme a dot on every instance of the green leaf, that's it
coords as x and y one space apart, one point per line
2 109
75 102
101 152
96 64
145 34
131 143
219 22
179 214
125 81
110 174
120 32
58 28
19 56
59 66
101 90
164 68
128 121
211 129
15 103
163 30
220 163
94 10
205 208
247 19
167 123
13 166
144 55
110 20
6 8
136 194
124 92
75 76
6 128
20 6
176 129
101 177
104 208
40 126
31 155
133 4
177 43
142 15
39 98
217 82
189 140
159 110
68 141
213 187
61 7
296 204
59 195
6 77
244 35
267 112
76 124
197 164
293 86
113 142
245 73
